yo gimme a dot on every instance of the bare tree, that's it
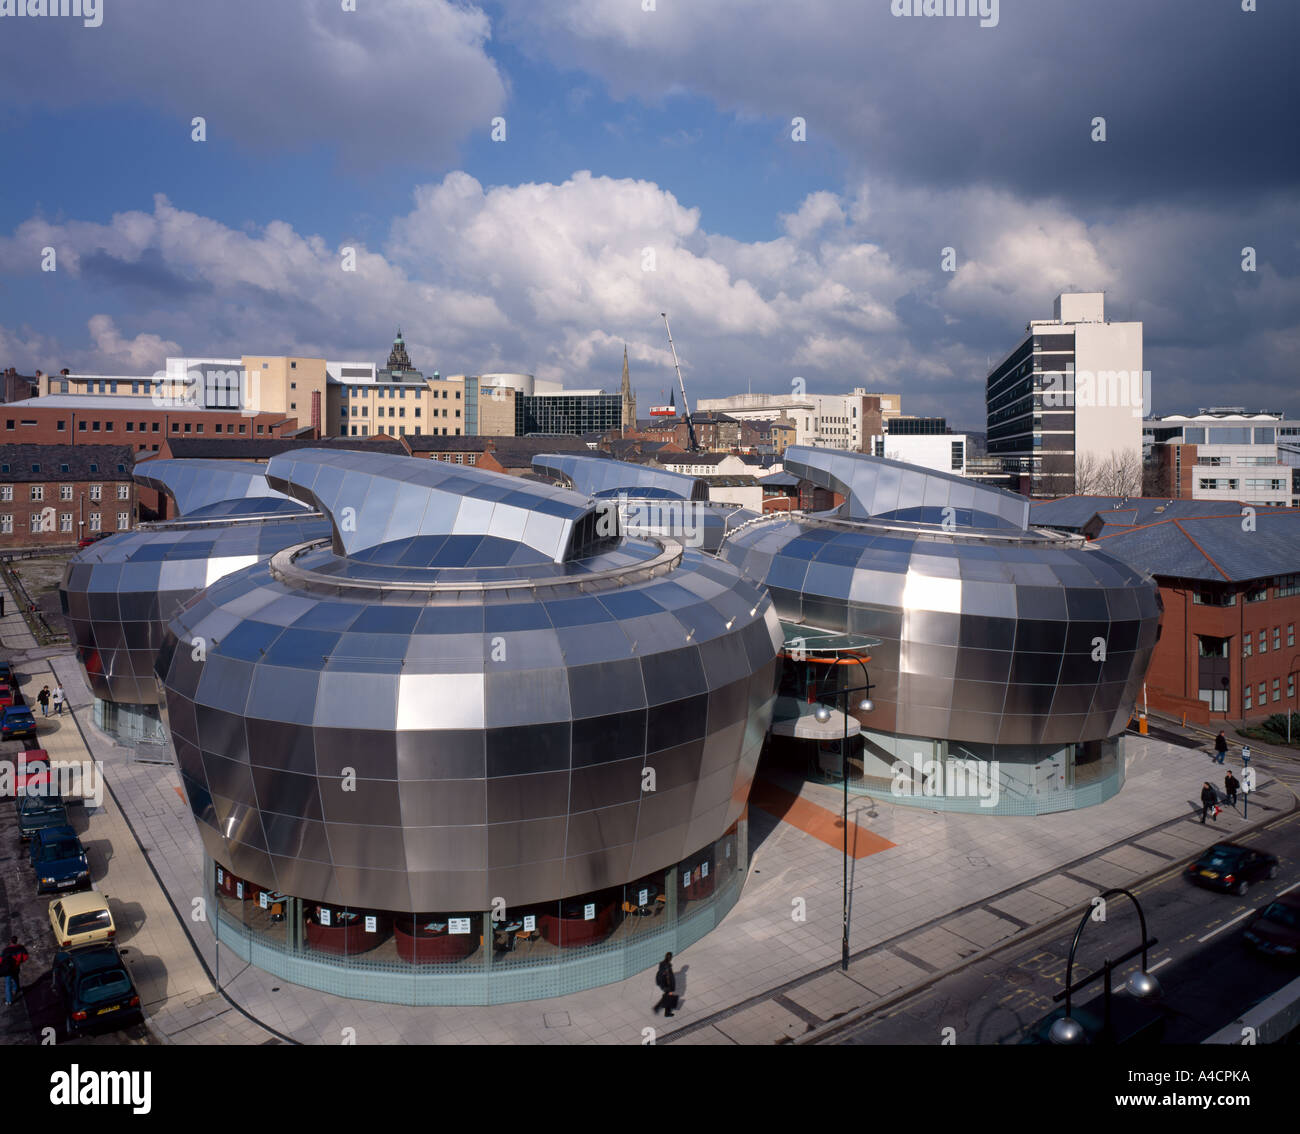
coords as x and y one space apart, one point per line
1087 474
1117 474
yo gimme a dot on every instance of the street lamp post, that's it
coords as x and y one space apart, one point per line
823 714
1141 984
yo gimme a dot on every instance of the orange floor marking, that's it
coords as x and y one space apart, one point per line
814 820
178 791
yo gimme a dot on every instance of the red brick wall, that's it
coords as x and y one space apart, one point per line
1175 665
80 508
113 420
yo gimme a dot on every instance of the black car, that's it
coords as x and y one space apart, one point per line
36 812
95 989
1230 866
59 860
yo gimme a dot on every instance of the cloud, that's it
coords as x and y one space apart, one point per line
553 278
404 79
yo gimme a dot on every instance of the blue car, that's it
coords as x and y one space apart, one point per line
40 813
17 723
59 860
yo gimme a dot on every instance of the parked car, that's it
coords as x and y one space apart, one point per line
33 774
8 675
37 812
86 541
59 860
1230 866
81 919
17 723
1276 930
94 988
10 695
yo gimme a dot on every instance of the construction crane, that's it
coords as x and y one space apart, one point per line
692 444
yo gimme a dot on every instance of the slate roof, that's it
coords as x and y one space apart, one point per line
1212 548
1073 512
264 448
112 462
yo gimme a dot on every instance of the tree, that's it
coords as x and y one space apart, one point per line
1117 474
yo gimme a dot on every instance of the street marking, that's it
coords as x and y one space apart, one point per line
1159 964
1288 889
1225 925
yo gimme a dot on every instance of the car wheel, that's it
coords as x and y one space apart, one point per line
1241 888
1272 871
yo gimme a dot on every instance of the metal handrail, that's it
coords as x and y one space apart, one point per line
1033 537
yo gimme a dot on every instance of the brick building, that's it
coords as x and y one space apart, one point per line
138 422
53 495
510 455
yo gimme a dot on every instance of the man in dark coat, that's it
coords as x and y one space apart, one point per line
1230 788
10 962
1208 799
1220 747
667 983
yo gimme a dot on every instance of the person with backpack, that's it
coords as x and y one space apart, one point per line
1231 785
1220 747
10 962
667 983
1209 799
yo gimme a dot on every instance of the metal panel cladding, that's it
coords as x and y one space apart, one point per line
988 634
474 702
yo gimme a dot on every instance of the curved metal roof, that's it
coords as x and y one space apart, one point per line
603 476
196 485
373 499
877 487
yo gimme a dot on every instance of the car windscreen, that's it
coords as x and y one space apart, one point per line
1282 914
58 850
111 984
33 805
1219 858
84 923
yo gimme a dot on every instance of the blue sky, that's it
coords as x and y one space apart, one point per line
775 258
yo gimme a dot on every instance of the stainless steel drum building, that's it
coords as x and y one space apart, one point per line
118 594
1010 655
477 745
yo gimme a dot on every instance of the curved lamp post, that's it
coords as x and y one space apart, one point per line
1141 984
823 714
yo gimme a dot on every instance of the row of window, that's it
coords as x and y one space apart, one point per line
396 392
457 458
1247 639
65 492
83 426
44 522
1261 698
1284 586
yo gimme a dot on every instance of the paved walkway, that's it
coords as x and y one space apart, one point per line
935 889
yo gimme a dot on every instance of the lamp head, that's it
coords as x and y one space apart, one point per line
866 705
1143 985
822 713
1067 1032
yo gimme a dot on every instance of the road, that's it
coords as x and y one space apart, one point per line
1208 974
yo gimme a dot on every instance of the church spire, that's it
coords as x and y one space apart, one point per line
629 398
398 359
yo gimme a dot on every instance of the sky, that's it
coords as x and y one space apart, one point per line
525 186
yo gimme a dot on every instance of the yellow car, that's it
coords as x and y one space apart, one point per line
81 919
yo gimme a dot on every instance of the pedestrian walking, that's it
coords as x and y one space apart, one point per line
10 962
1220 747
667 983
1209 798
43 699
1230 787
2 606
58 700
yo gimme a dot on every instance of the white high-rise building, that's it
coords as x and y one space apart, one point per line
1065 405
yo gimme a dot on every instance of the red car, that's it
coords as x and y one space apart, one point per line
33 770
86 541
1276 930
9 695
